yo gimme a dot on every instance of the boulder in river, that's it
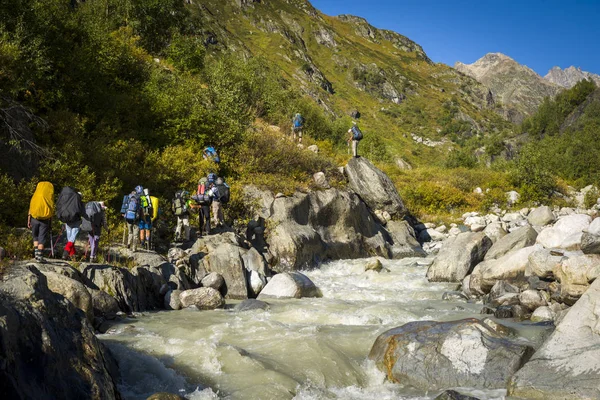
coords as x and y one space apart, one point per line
404 242
436 355
374 187
252 304
226 260
290 285
511 266
566 233
458 257
213 280
567 365
203 298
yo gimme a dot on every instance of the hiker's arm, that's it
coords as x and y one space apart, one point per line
29 221
104 221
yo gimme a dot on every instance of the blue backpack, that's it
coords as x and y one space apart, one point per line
298 121
356 133
133 208
212 153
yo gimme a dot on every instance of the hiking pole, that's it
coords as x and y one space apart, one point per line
51 245
58 238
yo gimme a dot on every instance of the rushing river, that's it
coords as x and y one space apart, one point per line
299 349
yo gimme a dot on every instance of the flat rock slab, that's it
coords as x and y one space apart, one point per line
437 355
567 366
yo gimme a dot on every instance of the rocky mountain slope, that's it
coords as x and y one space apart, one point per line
514 85
346 64
568 77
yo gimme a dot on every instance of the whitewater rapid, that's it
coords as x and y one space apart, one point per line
299 349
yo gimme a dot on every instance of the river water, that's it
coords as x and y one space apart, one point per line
300 349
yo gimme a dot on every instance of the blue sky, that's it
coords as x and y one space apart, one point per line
537 33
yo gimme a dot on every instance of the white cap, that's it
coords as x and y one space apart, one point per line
102 205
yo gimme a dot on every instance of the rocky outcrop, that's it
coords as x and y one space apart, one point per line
517 239
569 77
403 241
290 285
566 233
226 260
567 365
47 346
374 187
458 257
437 355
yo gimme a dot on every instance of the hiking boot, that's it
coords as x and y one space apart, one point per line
66 255
93 259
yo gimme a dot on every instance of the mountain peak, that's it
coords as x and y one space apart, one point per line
569 77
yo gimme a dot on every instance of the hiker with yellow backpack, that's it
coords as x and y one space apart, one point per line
41 209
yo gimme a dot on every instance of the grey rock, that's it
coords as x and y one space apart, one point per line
566 233
374 265
105 305
542 314
532 299
165 396
321 180
256 282
495 231
374 187
314 148
567 364
458 257
511 266
175 253
252 304
454 395
72 290
226 260
213 280
49 349
517 239
172 300
541 263
541 216
575 274
590 242
290 285
202 298
459 353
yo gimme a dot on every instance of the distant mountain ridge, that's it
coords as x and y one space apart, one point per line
568 77
514 85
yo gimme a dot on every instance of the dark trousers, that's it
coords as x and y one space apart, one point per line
204 217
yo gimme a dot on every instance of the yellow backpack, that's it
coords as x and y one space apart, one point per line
41 206
154 201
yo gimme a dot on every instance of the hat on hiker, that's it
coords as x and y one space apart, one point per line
102 205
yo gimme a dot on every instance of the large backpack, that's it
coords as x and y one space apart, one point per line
212 153
356 133
179 204
133 208
69 206
94 214
146 204
41 206
298 121
154 202
222 193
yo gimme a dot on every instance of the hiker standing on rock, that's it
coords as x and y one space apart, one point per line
219 192
355 137
41 209
181 206
70 210
145 223
96 219
203 201
132 218
297 125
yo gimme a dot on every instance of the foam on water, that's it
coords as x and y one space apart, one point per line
300 349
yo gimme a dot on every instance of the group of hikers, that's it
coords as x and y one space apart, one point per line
139 209
352 141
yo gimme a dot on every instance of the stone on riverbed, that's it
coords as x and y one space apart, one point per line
517 239
203 298
436 355
290 285
252 304
458 257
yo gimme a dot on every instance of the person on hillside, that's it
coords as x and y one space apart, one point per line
95 211
219 193
41 209
297 125
132 216
211 154
145 222
70 210
355 137
181 206
203 201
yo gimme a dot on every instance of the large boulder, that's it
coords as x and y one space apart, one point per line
374 187
72 290
515 240
104 304
290 285
590 240
541 216
295 246
567 365
48 348
566 233
437 355
575 274
541 262
509 267
117 282
202 298
404 242
458 257
226 260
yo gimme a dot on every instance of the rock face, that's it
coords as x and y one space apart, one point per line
567 365
374 187
72 290
226 260
575 274
203 298
290 285
569 77
458 257
517 239
404 242
47 346
436 355
508 267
